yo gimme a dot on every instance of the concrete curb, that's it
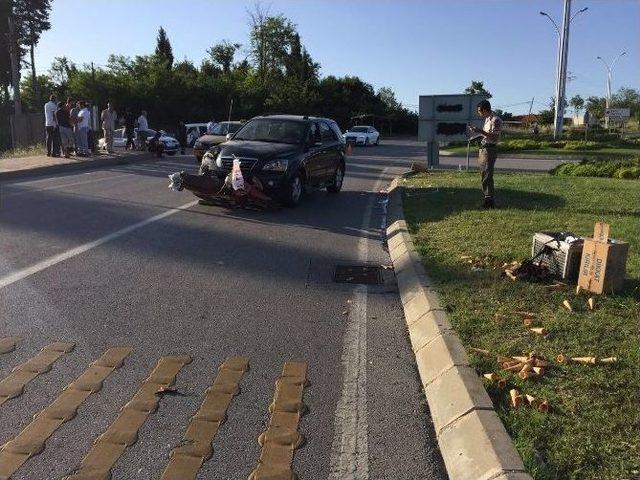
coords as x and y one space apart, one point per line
472 439
107 161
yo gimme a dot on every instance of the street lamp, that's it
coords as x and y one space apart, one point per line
609 69
561 65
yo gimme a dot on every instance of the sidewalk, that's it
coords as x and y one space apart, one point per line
42 165
505 162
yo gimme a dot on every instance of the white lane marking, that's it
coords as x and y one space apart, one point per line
51 261
34 190
350 447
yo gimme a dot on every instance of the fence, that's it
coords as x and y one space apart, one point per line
27 129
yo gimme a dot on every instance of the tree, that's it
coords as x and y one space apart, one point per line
61 69
577 102
546 117
222 55
163 48
31 18
477 88
595 106
388 98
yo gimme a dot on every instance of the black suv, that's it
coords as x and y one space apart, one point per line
288 154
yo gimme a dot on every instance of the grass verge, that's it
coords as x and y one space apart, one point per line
592 431
601 152
30 151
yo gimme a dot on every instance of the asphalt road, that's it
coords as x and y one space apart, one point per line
111 257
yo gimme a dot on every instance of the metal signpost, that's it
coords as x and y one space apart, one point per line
445 118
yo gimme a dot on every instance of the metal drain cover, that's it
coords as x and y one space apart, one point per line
358 274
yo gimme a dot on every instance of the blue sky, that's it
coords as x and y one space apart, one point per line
417 47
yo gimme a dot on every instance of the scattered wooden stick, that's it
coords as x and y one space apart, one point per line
578 289
514 368
527 322
541 363
585 360
539 370
496 379
562 359
500 359
516 398
481 351
567 305
526 314
592 303
533 401
539 330
543 407
609 360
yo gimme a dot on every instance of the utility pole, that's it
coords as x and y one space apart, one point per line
561 81
15 69
609 69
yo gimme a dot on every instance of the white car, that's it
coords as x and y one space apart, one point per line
171 145
362 135
194 132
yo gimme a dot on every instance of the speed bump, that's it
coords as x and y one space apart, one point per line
8 344
282 438
31 441
13 385
186 460
123 432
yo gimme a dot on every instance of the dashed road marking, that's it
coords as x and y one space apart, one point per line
8 344
123 432
282 438
187 459
13 385
31 441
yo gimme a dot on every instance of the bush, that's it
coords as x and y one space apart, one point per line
522 144
582 145
622 169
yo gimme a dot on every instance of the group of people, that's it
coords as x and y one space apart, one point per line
68 127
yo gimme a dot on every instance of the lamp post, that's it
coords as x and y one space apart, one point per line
609 69
561 66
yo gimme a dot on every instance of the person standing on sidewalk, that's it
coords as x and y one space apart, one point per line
182 136
73 117
129 129
143 127
84 121
109 117
50 125
488 150
64 127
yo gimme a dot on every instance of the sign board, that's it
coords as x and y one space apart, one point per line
444 118
617 113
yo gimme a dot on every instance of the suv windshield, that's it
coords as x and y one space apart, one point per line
272 130
222 129
359 129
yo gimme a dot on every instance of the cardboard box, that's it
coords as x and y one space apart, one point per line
604 262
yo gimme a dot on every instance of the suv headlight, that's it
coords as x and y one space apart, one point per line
278 165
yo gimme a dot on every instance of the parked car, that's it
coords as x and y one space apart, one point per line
171 145
194 132
287 154
218 135
362 135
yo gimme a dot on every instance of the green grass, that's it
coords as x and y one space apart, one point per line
593 429
603 152
30 151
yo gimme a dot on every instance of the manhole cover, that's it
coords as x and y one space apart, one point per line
358 274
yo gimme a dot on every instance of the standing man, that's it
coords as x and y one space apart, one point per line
109 117
50 124
143 126
488 150
182 136
129 129
64 126
74 110
210 126
84 122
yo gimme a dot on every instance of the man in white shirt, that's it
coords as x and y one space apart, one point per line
50 124
488 153
109 117
210 126
84 121
143 126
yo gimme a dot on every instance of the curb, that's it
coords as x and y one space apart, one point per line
73 166
472 439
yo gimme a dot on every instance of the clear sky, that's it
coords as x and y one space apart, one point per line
417 47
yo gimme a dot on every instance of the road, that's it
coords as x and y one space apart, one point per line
111 257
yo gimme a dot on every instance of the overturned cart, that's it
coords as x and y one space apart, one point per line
233 190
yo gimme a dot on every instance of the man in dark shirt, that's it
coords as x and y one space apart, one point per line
65 128
129 129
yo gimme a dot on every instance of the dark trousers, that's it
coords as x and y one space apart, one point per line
487 161
130 142
51 141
